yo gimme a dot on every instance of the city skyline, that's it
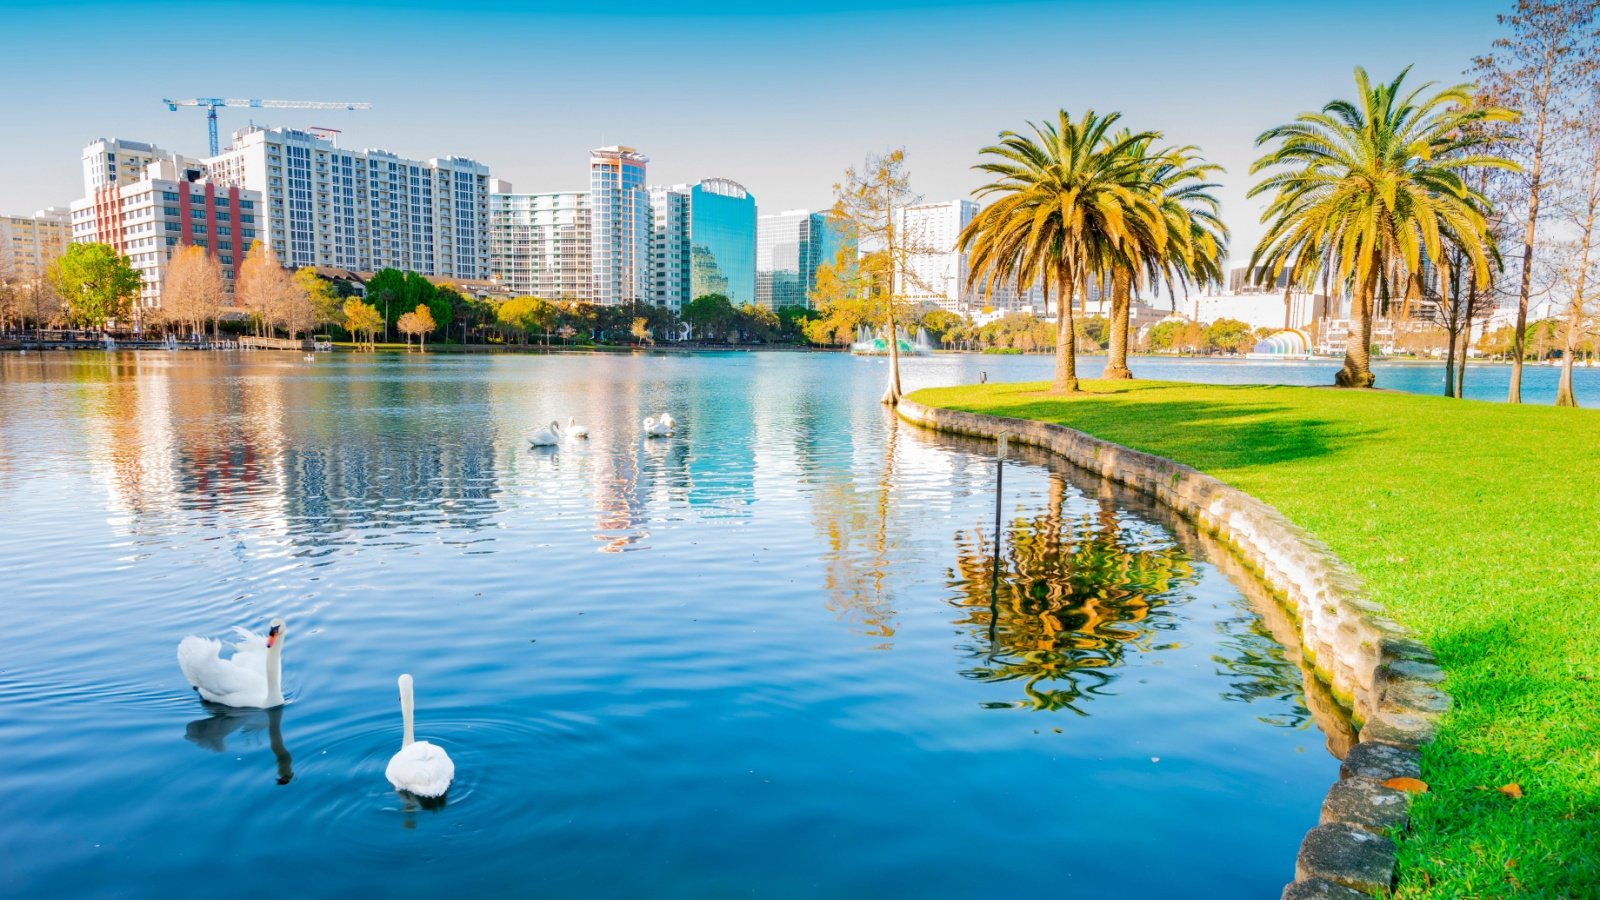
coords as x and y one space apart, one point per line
1215 82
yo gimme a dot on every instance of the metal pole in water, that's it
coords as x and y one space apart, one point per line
994 572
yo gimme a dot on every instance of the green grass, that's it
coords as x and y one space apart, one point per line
1477 525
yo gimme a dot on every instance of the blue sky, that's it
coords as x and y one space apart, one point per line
778 96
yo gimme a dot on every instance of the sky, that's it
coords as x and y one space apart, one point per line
780 96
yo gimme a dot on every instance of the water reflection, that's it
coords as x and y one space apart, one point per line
213 731
1072 595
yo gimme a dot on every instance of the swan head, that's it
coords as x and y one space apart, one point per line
405 685
275 633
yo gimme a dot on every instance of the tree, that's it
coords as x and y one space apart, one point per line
710 314
526 315
97 284
1229 336
1581 205
1546 56
1063 213
362 318
326 304
939 323
1455 301
192 288
269 293
1374 185
419 322
757 323
1195 251
867 209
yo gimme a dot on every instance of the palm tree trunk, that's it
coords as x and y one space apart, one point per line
1357 371
1066 336
1450 366
1121 301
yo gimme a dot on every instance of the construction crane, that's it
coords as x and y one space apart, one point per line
211 104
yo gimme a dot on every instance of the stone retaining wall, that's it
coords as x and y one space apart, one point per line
1375 666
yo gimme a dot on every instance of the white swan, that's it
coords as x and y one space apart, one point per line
573 429
654 427
251 678
419 768
669 421
548 436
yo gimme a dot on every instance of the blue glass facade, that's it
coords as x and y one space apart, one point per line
790 247
722 241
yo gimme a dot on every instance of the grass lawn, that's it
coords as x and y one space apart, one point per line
1476 524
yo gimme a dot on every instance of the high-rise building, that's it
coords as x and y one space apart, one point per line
704 241
670 283
28 244
790 247
936 269
112 162
362 209
619 226
722 241
168 207
539 243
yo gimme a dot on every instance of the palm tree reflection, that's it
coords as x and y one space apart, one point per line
1071 596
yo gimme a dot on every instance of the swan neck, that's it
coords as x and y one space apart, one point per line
406 704
275 673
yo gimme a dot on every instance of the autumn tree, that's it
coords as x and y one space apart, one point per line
419 323
360 318
269 293
1545 59
97 284
323 297
192 289
868 209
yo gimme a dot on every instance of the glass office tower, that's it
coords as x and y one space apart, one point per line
790 247
722 241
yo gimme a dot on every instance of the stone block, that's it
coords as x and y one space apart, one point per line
1416 696
1346 855
1401 726
1321 889
1365 803
1376 759
1406 669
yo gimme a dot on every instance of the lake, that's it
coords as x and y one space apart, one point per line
770 656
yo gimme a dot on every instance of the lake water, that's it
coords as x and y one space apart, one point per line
766 657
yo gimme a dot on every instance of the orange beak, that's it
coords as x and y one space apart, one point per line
272 638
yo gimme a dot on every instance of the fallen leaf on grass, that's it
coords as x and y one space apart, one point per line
1409 785
1512 790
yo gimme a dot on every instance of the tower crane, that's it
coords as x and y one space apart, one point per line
211 104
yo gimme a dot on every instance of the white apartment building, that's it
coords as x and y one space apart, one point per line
112 162
28 244
938 270
619 226
170 206
362 209
539 243
670 252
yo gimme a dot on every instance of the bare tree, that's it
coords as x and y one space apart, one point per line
264 288
1454 302
192 289
868 207
1547 55
1579 205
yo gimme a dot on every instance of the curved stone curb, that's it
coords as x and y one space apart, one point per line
1388 678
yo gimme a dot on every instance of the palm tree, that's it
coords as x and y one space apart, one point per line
1374 185
1176 180
1064 210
